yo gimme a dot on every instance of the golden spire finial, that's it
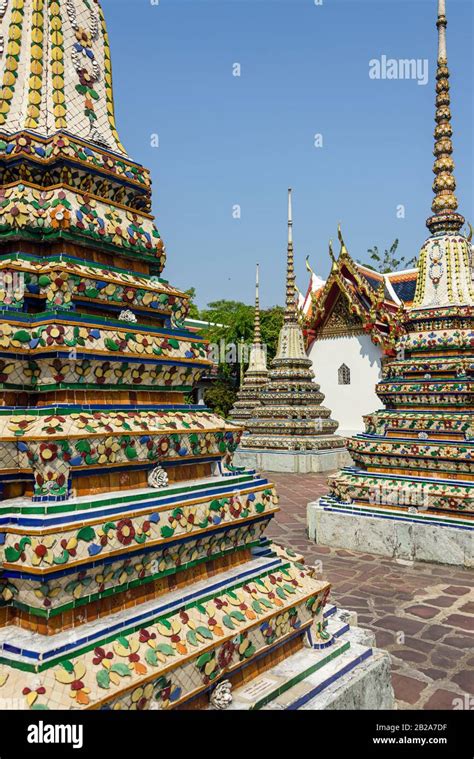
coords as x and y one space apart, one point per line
331 252
257 336
445 217
290 311
343 250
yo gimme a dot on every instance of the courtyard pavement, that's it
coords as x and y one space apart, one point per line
423 614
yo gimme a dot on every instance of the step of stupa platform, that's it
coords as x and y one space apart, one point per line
145 245
295 409
442 370
406 534
346 673
169 649
450 425
425 394
63 281
451 459
436 339
59 557
39 334
60 445
447 497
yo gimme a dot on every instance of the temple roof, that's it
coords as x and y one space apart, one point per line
56 71
369 299
400 286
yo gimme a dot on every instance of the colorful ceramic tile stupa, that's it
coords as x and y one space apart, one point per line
417 455
133 570
256 376
290 417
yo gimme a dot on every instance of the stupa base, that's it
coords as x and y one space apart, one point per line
346 672
385 532
298 462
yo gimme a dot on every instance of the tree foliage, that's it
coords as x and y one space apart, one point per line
193 309
221 396
229 322
388 261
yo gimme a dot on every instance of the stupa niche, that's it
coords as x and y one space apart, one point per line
256 376
414 464
290 430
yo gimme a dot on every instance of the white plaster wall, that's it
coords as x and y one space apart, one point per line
348 403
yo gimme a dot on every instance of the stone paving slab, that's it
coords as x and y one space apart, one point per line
423 614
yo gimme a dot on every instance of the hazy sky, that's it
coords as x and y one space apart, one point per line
227 141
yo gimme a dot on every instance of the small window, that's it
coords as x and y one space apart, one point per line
344 375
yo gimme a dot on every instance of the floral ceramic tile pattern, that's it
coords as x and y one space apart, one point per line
135 571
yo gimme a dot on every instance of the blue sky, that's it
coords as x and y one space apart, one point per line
227 140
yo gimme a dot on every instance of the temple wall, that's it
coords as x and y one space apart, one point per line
348 403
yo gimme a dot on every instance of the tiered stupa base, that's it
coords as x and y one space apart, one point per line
410 494
164 628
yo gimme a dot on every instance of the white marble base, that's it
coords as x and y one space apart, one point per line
395 536
298 462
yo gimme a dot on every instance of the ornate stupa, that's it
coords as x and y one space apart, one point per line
256 376
133 571
414 464
290 417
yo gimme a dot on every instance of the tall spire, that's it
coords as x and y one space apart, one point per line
290 312
257 336
445 217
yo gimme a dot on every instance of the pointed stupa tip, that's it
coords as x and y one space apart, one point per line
257 336
290 310
445 217
290 217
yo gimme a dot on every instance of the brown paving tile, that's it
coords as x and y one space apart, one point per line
442 699
407 688
461 621
465 680
458 641
430 661
434 632
453 590
442 602
424 612
412 656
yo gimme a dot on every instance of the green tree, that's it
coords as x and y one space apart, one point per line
230 321
387 261
193 309
272 321
221 396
